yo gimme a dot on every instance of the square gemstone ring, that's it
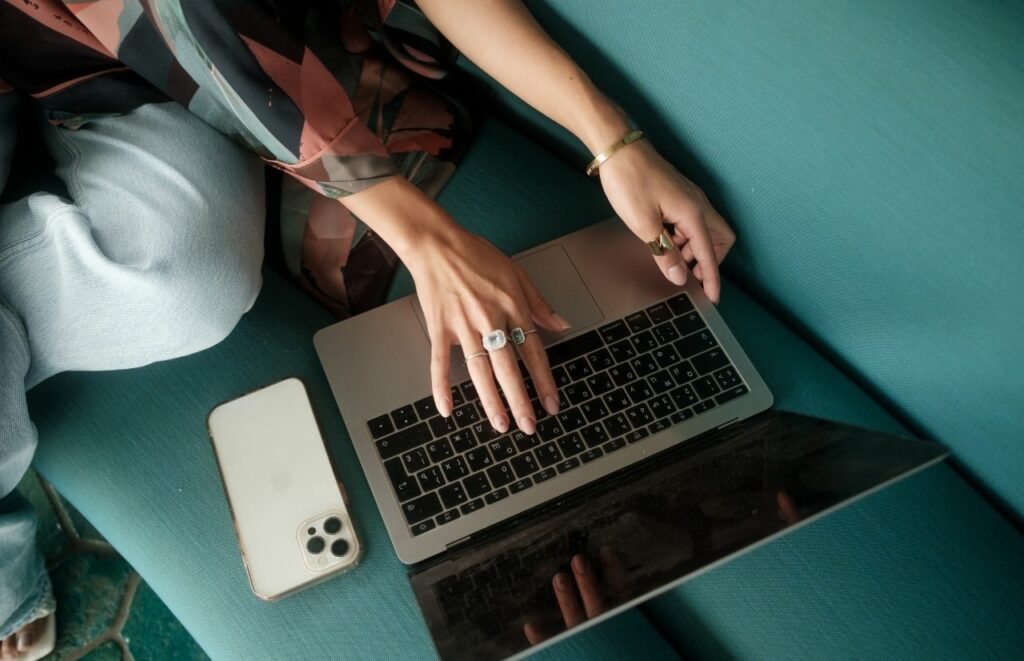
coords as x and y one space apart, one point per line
495 340
518 336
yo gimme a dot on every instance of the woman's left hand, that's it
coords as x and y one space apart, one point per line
648 193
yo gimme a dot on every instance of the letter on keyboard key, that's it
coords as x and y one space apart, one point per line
476 485
571 444
422 508
452 495
548 454
680 304
594 435
525 464
501 474
614 332
549 429
403 441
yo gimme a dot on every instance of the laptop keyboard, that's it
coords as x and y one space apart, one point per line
617 384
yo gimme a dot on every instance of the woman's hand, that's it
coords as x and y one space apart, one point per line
468 288
647 192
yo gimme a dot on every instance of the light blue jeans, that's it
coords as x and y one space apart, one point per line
156 254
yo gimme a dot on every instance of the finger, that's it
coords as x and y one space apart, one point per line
568 603
532 633
540 309
482 375
536 360
586 581
687 253
700 240
440 362
506 369
671 262
788 510
614 571
726 237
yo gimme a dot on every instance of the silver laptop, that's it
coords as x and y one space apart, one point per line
646 366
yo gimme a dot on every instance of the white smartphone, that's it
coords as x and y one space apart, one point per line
289 511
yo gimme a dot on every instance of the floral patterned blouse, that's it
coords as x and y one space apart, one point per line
338 94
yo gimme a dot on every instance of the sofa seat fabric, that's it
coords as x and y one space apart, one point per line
130 449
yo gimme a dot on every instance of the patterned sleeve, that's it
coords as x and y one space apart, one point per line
274 75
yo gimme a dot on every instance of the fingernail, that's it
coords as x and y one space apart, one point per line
561 581
500 423
563 324
528 424
446 406
579 564
676 275
551 405
25 641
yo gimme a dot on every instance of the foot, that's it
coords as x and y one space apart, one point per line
22 643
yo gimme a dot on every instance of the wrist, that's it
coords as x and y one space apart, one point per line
598 122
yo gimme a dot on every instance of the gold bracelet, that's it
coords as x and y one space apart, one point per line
599 160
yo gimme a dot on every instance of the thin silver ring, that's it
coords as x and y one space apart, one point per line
518 335
471 356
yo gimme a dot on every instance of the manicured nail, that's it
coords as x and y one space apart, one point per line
500 423
528 424
551 405
561 581
445 406
563 324
579 564
25 641
677 275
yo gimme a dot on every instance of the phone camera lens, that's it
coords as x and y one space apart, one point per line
339 547
332 525
316 545
311 531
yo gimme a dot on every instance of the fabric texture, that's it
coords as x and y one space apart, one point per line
121 274
869 158
142 506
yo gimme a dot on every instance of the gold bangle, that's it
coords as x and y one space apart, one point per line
599 160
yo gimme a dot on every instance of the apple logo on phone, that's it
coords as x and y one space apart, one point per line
280 482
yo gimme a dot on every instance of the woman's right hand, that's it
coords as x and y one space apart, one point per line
467 288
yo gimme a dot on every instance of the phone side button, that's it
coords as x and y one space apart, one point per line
422 527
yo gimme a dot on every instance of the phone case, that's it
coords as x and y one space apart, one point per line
289 511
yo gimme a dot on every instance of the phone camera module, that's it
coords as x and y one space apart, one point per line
316 545
332 525
339 547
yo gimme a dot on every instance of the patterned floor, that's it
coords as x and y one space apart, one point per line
105 612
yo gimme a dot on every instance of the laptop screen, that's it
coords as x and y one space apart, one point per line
649 527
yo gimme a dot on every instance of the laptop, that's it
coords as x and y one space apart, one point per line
663 460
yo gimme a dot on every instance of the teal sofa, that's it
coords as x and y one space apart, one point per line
871 159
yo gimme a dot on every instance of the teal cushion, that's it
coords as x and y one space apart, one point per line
130 450
870 157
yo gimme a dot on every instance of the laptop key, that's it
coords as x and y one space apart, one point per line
502 448
571 420
617 425
622 374
644 365
478 458
415 460
523 440
549 429
578 369
453 495
568 465
468 390
441 426
425 408
561 377
454 469
616 400
730 394
380 426
457 398
520 485
447 517
684 396
525 464
594 435
404 416
659 425
501 474
548 454
484 432
471 506
698 342
577 392
591 455
544 475
637 435
430 478
476 485
710 361
727 378
622 351
665 356
680 304
706 387
404 440
659 313
638 321
576 347
600 383
422 527
600 360
661 406
462 440
706 405
422 508
465 415
644 341
571 445
439 450
639 391
683 372
661 381
495 496
405 487
639 415
594 410
688 323
665 333
680 416
613 445
614 332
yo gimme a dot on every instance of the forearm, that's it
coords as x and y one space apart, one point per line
503 39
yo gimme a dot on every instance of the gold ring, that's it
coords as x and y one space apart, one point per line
471 356
661 244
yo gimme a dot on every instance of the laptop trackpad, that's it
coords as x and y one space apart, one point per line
557 279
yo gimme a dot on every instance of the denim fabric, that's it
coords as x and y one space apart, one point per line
156 255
